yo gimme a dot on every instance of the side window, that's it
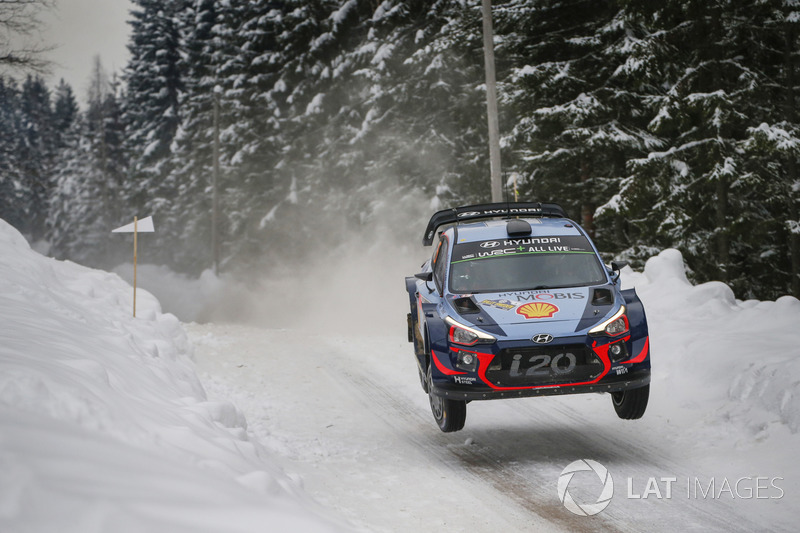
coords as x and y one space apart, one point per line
440 264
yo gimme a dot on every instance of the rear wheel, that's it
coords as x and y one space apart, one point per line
449 414
423 379
631 404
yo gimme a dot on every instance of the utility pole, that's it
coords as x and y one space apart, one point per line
215 185
491 102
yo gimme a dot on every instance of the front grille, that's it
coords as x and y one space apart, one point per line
547 365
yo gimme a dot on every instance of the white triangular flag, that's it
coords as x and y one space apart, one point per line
144 225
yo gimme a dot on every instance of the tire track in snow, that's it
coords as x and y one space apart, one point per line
627 451
518 448
522 464
477 463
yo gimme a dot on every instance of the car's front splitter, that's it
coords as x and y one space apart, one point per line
633 379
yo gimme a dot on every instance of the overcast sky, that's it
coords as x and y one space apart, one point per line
82 29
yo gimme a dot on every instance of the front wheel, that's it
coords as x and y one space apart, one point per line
631 404
450 415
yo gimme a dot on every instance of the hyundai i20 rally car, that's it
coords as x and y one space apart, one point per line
516 302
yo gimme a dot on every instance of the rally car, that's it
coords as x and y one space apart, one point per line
516 302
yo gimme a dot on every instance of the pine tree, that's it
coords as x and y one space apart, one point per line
770 151
710 197
423 127
65 112
572 101
85 203
154 80
182 202
35 148
14 190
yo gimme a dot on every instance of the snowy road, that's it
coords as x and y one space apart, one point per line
104 424
348 416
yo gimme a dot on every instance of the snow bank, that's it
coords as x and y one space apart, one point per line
104 425
721 358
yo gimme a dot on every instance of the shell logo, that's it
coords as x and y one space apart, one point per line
537 310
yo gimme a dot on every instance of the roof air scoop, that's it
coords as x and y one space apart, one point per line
518 228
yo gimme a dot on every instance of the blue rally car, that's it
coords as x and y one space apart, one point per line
516 302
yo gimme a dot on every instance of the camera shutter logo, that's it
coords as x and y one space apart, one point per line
585 509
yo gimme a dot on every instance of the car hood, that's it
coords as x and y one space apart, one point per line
566 310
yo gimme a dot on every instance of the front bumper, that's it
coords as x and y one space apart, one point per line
517 369
478 391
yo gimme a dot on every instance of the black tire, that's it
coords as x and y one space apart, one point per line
631 404
450 415
423 379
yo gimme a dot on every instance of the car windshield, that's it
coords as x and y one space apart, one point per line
498 266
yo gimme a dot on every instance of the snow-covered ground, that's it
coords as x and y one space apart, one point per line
342 406
104 425
310 417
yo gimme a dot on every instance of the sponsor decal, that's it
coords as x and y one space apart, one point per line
530 296
619 370
506 305
544 366
509 211
472 251
537 310
464 380
531 241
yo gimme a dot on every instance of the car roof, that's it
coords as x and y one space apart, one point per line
496 229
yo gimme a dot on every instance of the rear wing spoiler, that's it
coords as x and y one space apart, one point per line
484 211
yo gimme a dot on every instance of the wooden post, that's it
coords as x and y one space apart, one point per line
147 227
515 180
215 186
135 235
491 103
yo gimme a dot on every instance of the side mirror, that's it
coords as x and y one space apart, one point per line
616 266
424 276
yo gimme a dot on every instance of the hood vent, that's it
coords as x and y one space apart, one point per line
602 297
466 306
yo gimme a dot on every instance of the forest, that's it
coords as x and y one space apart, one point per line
656 125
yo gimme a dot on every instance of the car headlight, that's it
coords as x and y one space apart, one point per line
466 336
614 326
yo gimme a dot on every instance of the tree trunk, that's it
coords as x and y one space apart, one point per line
723 244
791 166
722 185
587 210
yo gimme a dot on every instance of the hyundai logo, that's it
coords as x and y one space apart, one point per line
542 338
490 244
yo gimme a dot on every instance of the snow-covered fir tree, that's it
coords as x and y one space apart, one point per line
669 124
153 82
87 201
14 190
